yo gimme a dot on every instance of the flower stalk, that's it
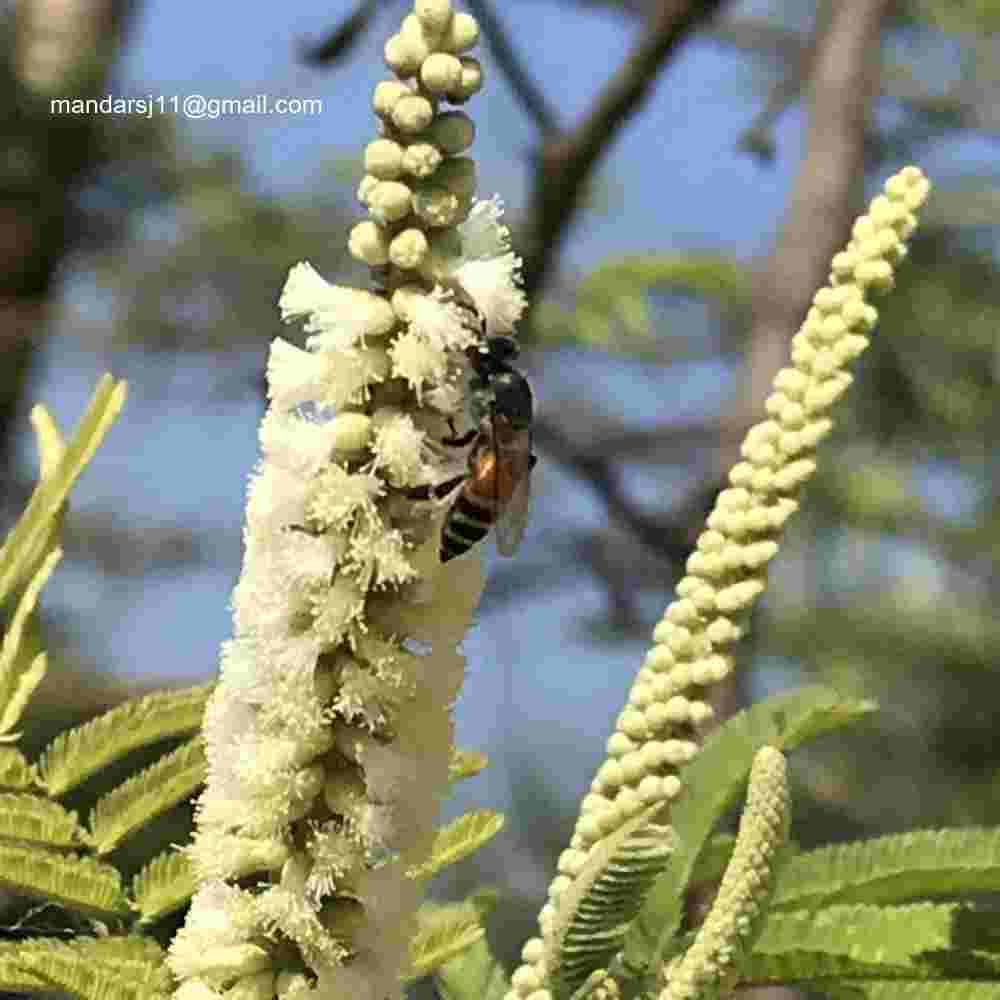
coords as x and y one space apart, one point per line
329 736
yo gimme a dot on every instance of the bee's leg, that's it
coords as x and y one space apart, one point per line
436 492
456 440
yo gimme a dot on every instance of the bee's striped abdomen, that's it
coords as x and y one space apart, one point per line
467 523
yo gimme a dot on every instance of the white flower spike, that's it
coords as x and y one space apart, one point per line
329 736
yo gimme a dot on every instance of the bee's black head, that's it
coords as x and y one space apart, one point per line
512 398
497 389
492 357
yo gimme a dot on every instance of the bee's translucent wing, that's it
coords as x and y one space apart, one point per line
514 518
515 459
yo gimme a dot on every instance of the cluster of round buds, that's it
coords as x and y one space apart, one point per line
659 729
416 184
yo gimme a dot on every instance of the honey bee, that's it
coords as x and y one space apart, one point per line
496 488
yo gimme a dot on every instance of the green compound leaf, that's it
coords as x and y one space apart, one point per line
459 839
473 975
76 754
39 821
144 796
79 883
16 771
893 869
164 885
714 856
445 932
466 764
892 936
714 780
33 534
594 912
18 679
111 968
835 947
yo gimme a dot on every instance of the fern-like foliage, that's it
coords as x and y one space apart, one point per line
164 885
78 753
75 881
473 974
850 917
40 821
172 779
45 852
605 898
893 869
33 535
459 839
112 968
444 932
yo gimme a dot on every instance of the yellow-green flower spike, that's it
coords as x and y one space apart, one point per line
667 708
708 967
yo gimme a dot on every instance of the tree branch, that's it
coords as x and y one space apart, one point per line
525 89
567 160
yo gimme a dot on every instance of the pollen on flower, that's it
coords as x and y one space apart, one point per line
302 559
337 316
334 850
360 699
417 361
490 280
339 496
348 378
399 447
438 319
290 910
445 398
339 608
379 559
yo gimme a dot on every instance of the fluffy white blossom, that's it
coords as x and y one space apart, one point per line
329 736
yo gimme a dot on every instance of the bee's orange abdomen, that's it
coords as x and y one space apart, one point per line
492 482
